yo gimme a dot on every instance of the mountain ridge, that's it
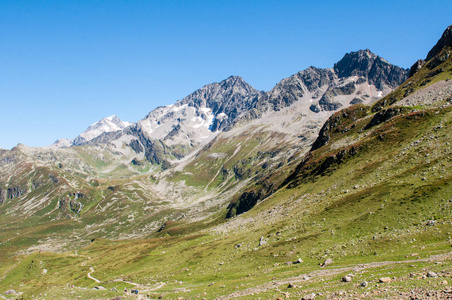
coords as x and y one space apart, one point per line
191 122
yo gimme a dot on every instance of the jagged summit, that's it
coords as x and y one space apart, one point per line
371 66
445 40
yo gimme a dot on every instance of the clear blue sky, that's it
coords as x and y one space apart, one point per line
66 64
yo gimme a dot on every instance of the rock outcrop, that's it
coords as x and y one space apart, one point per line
445 40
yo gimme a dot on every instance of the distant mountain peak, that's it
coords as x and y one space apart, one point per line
234 78
108 124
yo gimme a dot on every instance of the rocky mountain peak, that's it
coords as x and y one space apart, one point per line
356 63
227 99
234 80
113 119
376 70
445 40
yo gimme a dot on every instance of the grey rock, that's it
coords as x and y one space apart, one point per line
327 103
364 283
356 101
100 288
291 285
262 241
384 280
136 146
346 279
10 292
309 297
15 192
432 274
2 195
327 262
431 222
298 261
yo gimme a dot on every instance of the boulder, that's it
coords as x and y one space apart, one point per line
384 280
10 292
327 262
298 261
309 297
346 279
432 274
431 222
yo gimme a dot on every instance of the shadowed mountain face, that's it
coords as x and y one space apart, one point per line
227 100
375 69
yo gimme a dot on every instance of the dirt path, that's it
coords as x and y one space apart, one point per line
160 285
143 287
91 277
328 272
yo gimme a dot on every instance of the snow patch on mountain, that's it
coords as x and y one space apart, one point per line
109 124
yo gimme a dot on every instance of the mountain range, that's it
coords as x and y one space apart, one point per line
359 77
232 192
